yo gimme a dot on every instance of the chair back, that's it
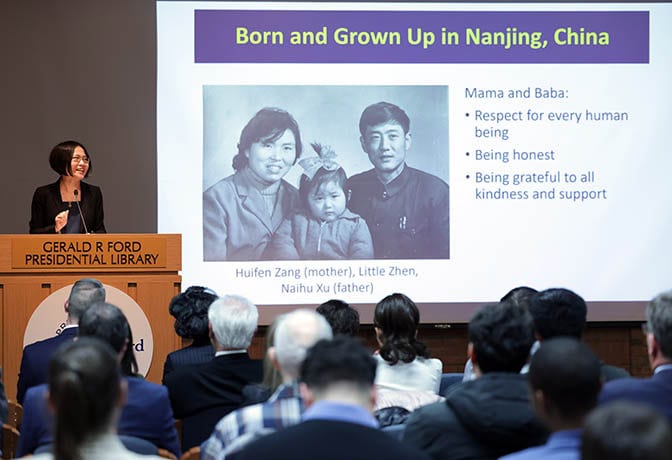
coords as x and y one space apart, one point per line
164 453
10 441
448 380
14 414
192 454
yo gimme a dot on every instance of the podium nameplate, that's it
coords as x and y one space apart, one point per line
89 251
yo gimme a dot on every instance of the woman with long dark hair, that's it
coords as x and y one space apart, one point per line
86 392
404 363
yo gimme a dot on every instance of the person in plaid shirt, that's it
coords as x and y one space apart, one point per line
295 334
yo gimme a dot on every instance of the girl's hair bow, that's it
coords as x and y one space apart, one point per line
324 159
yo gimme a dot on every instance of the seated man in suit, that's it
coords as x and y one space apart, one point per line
490 416
560 312
564 383
147 413
657 390
337 384
204 393
295 333
35 359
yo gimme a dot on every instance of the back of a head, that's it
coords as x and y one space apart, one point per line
558 312
659 319
342 360
520 296
84 386
398 317
501 336
342 318
626 431
234 320
84 293
295 333
106 322
190 310
568 373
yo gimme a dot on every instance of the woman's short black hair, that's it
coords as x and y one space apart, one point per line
398 317
190 310
267 125
60 158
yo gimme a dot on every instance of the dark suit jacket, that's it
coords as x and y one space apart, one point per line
193 354
147 415
204 393
329 440
35 361
655 391
47 203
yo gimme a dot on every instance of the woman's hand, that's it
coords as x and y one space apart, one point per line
61 220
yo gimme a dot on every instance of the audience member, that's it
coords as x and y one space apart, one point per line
146 412
342 318
338 389
406 375
86 393
295 333
204 393
255 393
190 310
657 390
626 431
490 416
35 360
564 383
520 296
560 312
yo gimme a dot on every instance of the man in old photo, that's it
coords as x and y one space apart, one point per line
407 210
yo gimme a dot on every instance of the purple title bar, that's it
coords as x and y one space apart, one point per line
421 37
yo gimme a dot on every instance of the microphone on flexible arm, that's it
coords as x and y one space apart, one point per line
81 216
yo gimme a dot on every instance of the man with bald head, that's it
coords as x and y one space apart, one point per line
295 333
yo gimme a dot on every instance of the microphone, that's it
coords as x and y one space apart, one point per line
81 216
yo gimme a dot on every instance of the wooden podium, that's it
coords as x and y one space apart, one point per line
144 266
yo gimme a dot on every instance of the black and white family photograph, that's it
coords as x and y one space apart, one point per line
325 172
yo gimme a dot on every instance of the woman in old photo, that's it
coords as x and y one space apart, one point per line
242 212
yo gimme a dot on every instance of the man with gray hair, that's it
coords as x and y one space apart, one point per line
35 360
204 393
657 390
296 332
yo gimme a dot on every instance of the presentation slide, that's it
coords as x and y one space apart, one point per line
309 151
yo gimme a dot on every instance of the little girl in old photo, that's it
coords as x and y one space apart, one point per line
324 228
